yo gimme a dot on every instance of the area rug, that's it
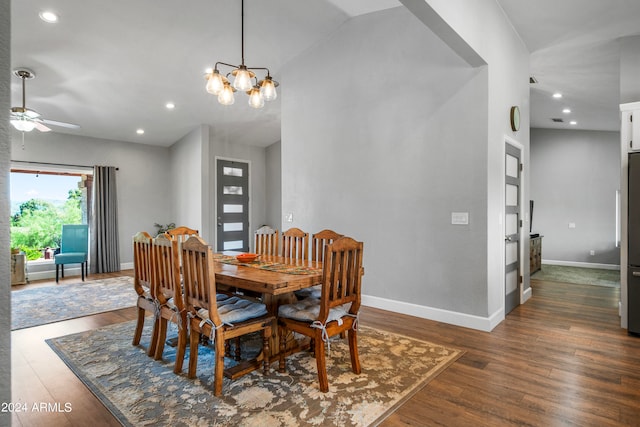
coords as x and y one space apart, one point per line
578 275
42 305
140 391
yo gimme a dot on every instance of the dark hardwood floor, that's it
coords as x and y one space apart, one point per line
561 359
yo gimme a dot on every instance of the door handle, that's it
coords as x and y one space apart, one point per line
508 239
636 274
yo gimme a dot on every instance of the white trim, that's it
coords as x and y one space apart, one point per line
526 295
439 315
51 167
581 264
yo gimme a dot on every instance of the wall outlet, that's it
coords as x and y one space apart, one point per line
572 225
288 217
592 252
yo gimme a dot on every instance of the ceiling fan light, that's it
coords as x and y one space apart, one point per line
225 97
242 80
256 100
23 125
215 83
268 89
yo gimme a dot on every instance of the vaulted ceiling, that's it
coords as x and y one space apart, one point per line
111 67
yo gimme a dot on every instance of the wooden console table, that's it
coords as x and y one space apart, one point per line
535 254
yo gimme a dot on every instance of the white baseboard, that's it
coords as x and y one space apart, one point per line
581 264
68 272
526 295
454 318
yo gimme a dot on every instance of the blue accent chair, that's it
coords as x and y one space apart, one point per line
74 248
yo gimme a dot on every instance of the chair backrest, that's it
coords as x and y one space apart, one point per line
199 277
295 244
180 235
319 240
75 238
166 271
142 245
266 241
341 276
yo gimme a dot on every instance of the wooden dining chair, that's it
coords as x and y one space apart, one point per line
321 239
295 244
318 242
324 318
218 316
266 241
142 283
167 292
181 234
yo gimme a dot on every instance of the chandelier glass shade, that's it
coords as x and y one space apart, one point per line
241 78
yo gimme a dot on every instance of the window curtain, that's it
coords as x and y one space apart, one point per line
105 254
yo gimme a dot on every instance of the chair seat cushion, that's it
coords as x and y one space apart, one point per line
233 309
308 309
71 258
312 292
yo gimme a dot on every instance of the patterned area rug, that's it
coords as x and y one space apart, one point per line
578 275
39 306
140 391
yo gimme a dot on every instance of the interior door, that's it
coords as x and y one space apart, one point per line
232 205
513 223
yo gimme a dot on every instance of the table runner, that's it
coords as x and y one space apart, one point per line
268 265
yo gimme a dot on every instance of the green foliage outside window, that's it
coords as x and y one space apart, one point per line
38 224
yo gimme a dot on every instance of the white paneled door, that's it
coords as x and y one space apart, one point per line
512 225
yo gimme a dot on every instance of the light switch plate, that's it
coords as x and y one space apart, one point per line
289 217
460 218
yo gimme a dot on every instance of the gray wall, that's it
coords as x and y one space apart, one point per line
143 178
494 42
5 155
274 185
186 181
629 68
574 177
387 159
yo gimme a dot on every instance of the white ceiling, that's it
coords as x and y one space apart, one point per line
111 66
575 51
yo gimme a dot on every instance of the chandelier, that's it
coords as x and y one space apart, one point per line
244 79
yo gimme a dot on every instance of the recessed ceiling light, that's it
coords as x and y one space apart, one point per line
170 105
566 111
140 131
557 95
48 16
573 122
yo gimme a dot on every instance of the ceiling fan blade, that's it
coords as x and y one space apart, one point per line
60 124
41 127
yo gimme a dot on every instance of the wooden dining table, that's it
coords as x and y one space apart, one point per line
275 287
274 278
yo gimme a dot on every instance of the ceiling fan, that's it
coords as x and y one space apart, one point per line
25 119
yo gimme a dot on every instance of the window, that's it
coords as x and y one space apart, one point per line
43 200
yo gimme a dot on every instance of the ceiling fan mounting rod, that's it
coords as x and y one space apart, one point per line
24 74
